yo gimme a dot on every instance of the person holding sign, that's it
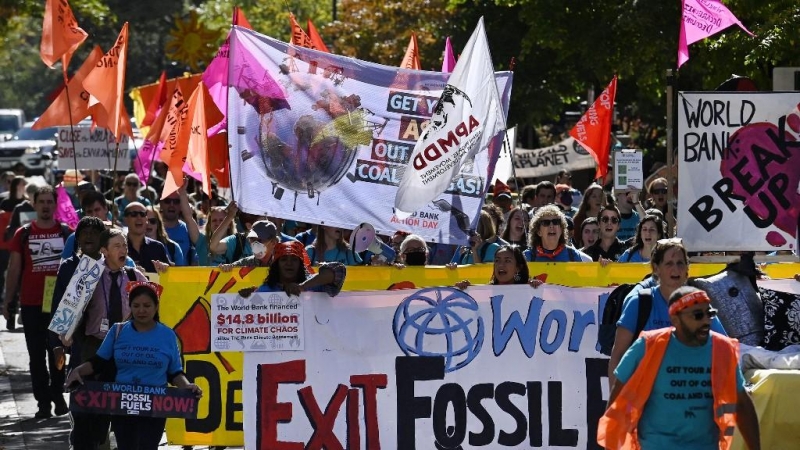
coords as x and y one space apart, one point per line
648 232
291 272
510 267
145 353
680 387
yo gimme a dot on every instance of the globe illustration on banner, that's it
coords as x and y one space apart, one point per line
442 322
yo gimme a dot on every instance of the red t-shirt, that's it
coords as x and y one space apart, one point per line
39 260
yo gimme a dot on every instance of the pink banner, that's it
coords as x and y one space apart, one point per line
65 212
449 60
143 163
701 19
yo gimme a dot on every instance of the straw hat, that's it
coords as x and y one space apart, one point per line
72 177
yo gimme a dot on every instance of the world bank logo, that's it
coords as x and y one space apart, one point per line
579 149
442 322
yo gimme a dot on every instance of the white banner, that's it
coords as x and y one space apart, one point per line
739 170
333 145
489 367
76 297
93 149
628 173
567 154
259 323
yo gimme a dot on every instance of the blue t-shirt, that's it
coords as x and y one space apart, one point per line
123 203
176 253
346 257
568 254
463 255
633 256
679 414
180 234
203 258
627 227
659 313
146 358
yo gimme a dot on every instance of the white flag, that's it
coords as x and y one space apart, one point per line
465 119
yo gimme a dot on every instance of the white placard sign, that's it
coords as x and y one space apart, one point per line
628 173
93 149
504 367
262 322
76 297
567 154
738 170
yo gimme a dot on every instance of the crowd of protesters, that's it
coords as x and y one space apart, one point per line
127 226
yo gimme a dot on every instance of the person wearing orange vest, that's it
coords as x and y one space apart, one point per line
680 387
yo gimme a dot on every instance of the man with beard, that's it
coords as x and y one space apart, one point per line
680 387
35 254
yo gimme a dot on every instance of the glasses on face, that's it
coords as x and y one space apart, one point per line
606 219
152 221
698 315
662 191
548 222
136 214
171 201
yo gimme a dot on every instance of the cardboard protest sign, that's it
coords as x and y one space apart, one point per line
77 296
93 149
134 400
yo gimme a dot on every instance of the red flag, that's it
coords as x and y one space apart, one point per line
316 39
157 102
174 135
61 34
593 131
299 37
218 161
74 106
106 83
411 59
203 114
240 19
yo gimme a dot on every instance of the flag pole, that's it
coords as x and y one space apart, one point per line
671 79
71 126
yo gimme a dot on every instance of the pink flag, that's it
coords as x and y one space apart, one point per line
143 162
65 212
216 78
449 61
701 19
251 79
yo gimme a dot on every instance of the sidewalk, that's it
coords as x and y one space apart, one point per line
19 430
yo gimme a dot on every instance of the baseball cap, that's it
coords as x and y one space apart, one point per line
263 230
501 190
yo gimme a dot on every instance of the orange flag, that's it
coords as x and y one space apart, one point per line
157 102
106 83
72 102
299 37
218 160
411 60
593 131
315 38
240 19
203 114
157 128
61 34
175 142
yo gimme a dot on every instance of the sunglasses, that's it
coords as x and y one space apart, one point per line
699 315
548 222
606 219
152 221
662 191
171 201
136 214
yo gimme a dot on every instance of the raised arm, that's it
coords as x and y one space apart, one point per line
188 217
215 244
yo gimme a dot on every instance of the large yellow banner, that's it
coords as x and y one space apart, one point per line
185 306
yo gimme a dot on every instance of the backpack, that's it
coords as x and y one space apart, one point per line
607 330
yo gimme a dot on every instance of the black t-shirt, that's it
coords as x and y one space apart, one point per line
614 252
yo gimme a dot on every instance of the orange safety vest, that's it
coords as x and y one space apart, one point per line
617 427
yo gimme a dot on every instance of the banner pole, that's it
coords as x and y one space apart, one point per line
71 130
671 78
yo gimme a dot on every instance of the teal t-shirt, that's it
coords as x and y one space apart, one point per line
203 258
680 411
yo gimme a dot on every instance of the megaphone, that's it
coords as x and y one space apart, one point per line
364 238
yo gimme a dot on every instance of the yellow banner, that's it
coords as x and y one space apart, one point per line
185 306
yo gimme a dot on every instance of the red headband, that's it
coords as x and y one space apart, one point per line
688 300
155 287
296 249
